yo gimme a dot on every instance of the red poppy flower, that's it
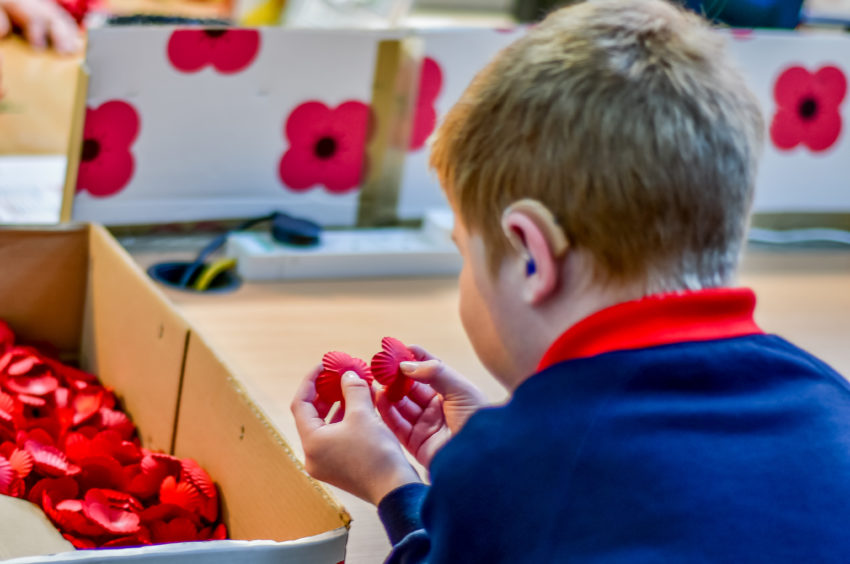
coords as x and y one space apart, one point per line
106 163
326 146
425 118
178 529
102 508
227 50
386 367
182 494
49 460
335 364
808 108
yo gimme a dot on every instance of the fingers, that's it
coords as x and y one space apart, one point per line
357 394
436 374
5 24
420 353
64 34
308 417
396 422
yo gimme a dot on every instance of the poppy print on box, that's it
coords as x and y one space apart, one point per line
106 162
327 146
808 108
425 119
229 51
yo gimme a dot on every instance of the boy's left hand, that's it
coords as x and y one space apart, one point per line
355 452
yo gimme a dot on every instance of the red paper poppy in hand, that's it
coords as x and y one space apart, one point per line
386 368
335 364
425 118
106 163
808 108
228 50
327 146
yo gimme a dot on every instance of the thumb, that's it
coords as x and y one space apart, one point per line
356 392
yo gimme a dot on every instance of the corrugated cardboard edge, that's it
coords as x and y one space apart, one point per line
240 390
75 144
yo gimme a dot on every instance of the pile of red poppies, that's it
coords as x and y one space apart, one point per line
65 446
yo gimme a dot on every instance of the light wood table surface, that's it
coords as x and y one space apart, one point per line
272 334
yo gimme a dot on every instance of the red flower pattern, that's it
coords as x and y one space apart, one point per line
229 51
808 108
106 163
425 118
327 146
386 368
66 447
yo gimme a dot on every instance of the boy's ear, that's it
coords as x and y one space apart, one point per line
533 232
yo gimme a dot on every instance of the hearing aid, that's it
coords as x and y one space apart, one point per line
545 221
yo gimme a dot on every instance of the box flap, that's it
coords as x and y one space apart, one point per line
223 430
134 340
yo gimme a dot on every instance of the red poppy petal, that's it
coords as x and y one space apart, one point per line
33 401
50 460
198 476
179 529
22 366
96 507
341 363
7 474
181 494
823 131
235 50
304 121
7 407
384 368
831 85
117 421
101 472
787 129
39 385
128 541
18 488
71 521
209 509
793 84
187 50
22 462
399 388
70 505
58 489
328 386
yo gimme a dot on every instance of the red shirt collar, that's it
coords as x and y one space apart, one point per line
662 319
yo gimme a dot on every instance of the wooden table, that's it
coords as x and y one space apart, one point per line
274 333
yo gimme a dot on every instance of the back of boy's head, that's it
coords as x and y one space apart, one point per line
626 119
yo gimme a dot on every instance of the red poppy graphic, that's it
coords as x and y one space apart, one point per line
425 118
808 108
228 50
327 146
386 368
106 163
66 446
335 364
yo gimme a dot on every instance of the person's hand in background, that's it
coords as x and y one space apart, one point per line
42 22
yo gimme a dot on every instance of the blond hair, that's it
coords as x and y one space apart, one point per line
626 119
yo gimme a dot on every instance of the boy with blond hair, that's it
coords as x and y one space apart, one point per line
601 170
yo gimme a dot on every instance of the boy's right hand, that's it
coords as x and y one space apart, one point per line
437 406
40 21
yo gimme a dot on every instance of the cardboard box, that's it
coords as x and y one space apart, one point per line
75 288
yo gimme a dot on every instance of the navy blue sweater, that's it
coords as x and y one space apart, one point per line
726 450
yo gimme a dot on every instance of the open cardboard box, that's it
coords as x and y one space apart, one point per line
75 288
